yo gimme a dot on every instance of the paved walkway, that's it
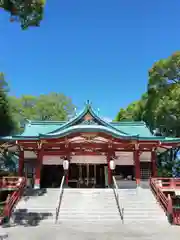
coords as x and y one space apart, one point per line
85 231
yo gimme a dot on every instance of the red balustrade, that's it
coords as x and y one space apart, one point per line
16 183
9 182
176 217
158 187
167 183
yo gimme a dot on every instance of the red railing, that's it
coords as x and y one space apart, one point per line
9 182
176 216
167 183
17 183
157 186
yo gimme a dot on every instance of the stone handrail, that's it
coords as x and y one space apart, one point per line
60 198
116 193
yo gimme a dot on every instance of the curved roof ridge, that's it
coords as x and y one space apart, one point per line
88 109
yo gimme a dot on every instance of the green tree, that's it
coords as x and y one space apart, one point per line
130 113
27 12
134 112
165 73
7 124
162 108
53 106
167 112
159 107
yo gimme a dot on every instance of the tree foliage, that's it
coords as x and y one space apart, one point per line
53 106
159 107
6 120
27 12
15 111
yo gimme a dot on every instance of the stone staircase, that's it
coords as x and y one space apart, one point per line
88 205
141 206
36 208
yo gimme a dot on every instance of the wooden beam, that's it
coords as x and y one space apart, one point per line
116 142
76 153
80 152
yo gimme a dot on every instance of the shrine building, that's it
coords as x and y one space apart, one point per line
89 143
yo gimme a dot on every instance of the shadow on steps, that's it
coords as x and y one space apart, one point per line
30 192
25 218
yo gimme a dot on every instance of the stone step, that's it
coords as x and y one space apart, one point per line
88 194
89 221
127 204
149 214
36 209
89 217
83 208
100 211
116 213
39 200
89 212
95 205
84 203
109 218
108 201
150 209
141 218
90 198
126 220
97 222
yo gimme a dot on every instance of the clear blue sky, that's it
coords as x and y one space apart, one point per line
90 49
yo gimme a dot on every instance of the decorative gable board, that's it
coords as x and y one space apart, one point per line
88 120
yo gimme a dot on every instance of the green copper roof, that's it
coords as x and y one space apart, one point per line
133 128
80 123
34 128
85 129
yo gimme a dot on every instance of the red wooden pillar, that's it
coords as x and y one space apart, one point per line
67 177
137 165
109 170
21 163
153 163
37 175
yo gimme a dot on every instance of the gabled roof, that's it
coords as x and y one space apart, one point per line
89 120
133 127
34 128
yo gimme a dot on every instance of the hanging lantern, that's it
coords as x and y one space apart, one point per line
65 165
112 164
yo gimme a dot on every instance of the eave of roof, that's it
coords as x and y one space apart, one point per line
85 129
72 126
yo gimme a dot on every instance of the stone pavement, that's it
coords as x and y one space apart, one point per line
93 231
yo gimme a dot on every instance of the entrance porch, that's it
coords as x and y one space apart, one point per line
79 176
83 175
88 176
